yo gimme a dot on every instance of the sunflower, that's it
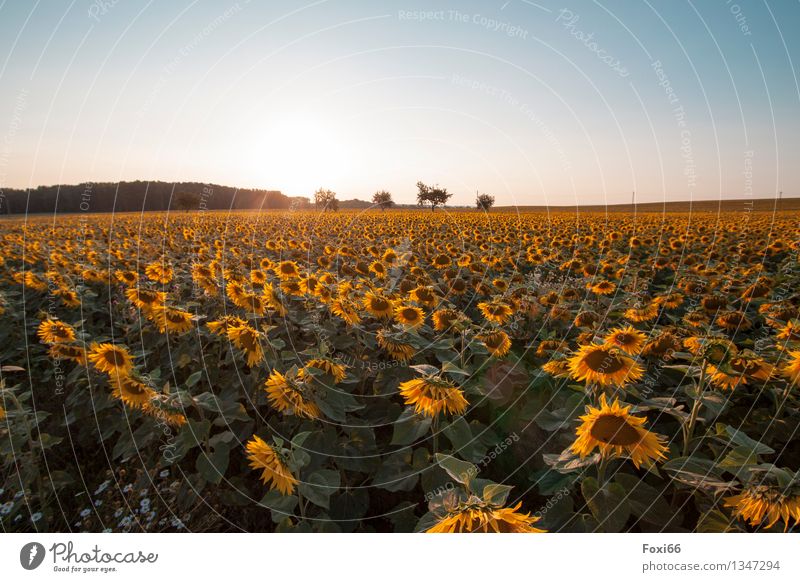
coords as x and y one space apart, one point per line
274 469
662 346
477 516
378 305
72 353
346 310
131 391
792 367
145 299
111 359
222 325
603 365
614 431
398 350
557 368
126 277
162 411
760 503
158 272
423 296
287 396
173 320
739 369
733 321
790 332
68 297
628 339
696 318
378 269
247 339
287 270
586 319
433 395
335 369
444 319
641 314
409 315
55 332
602 287
497 342
496 311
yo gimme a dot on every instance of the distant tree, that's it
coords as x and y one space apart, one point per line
383 199
185 201
433 195
484 201
326 200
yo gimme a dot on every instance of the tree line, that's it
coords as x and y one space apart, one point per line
141 196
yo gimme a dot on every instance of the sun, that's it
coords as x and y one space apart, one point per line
299 153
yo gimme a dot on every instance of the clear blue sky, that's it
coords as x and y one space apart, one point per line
535 103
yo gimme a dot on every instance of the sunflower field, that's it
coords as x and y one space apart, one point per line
400 371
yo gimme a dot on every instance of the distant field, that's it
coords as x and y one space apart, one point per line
758 205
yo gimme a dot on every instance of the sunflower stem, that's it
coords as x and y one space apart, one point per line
435 430
688 431
601 471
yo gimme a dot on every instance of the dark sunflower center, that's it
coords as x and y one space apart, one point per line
176 317
410 314
115 358
134 389
379 304
603 362
614 430
494 341
624 339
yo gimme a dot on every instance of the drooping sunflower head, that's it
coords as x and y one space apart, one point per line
431 396
247 339
475 515
273 466
558 368
397 348
288 395
641 314
615 432
175 321
332 367
145 299
221 326
131 391
52 331
771 494
603 365
73 353
497 342
739 369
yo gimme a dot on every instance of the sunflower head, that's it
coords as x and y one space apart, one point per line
111 359
273 465
603 365
615 432
52 331
626 339
432 395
